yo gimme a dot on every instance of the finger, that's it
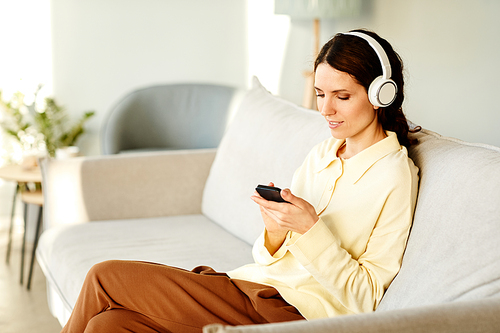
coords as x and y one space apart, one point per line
272 205
271 215
288 196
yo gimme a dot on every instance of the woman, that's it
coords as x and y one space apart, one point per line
332 249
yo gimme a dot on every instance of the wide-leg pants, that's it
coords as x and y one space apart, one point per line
130 296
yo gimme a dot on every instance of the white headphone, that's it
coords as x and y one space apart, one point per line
382 91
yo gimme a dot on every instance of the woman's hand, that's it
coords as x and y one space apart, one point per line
298 215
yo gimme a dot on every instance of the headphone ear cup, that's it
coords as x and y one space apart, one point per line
382 92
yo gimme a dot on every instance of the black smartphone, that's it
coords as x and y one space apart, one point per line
270 193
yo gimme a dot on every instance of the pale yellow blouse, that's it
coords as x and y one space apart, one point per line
346 261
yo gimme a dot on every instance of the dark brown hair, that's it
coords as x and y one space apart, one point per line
353 55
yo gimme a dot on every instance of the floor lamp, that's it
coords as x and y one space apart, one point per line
315 10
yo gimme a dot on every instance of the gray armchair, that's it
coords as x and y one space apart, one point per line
170 116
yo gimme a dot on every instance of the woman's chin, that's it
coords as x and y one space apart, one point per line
337 135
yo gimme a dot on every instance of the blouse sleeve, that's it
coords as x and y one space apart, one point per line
262 256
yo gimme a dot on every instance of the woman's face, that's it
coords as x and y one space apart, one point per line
344 104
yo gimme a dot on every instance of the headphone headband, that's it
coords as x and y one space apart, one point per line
384 61
382 91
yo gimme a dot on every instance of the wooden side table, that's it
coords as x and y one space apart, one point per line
22 177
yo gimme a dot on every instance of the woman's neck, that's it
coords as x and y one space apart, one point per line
353 146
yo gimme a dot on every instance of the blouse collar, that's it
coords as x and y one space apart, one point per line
361 162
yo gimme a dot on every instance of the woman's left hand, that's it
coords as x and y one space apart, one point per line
298 215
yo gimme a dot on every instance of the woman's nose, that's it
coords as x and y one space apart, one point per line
326 109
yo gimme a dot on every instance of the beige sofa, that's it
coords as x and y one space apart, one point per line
192 207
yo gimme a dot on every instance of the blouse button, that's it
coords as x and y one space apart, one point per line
330 187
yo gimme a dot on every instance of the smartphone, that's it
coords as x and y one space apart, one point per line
270 193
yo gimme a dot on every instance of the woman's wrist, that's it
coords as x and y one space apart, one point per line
273 240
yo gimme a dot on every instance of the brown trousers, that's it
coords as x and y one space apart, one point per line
130 296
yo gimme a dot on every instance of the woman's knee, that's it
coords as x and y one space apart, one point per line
104 266
103 269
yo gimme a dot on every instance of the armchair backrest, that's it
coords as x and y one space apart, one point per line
170 116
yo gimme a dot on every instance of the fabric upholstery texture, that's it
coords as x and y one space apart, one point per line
267 141
453 252
124 186
186 241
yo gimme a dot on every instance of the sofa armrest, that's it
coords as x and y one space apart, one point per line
124 186
458 317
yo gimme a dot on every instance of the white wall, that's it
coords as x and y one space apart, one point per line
25 62
451 51
267 42
24 45
104 49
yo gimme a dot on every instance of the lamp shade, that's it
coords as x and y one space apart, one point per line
317 9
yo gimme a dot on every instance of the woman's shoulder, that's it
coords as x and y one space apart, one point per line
397 165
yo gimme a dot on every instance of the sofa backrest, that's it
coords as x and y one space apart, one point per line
453 252
267 140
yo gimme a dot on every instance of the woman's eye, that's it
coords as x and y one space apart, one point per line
343 98
320 95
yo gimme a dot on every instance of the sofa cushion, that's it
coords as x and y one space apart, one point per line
67 252
267 141
453 251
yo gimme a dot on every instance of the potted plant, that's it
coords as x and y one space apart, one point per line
42 127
